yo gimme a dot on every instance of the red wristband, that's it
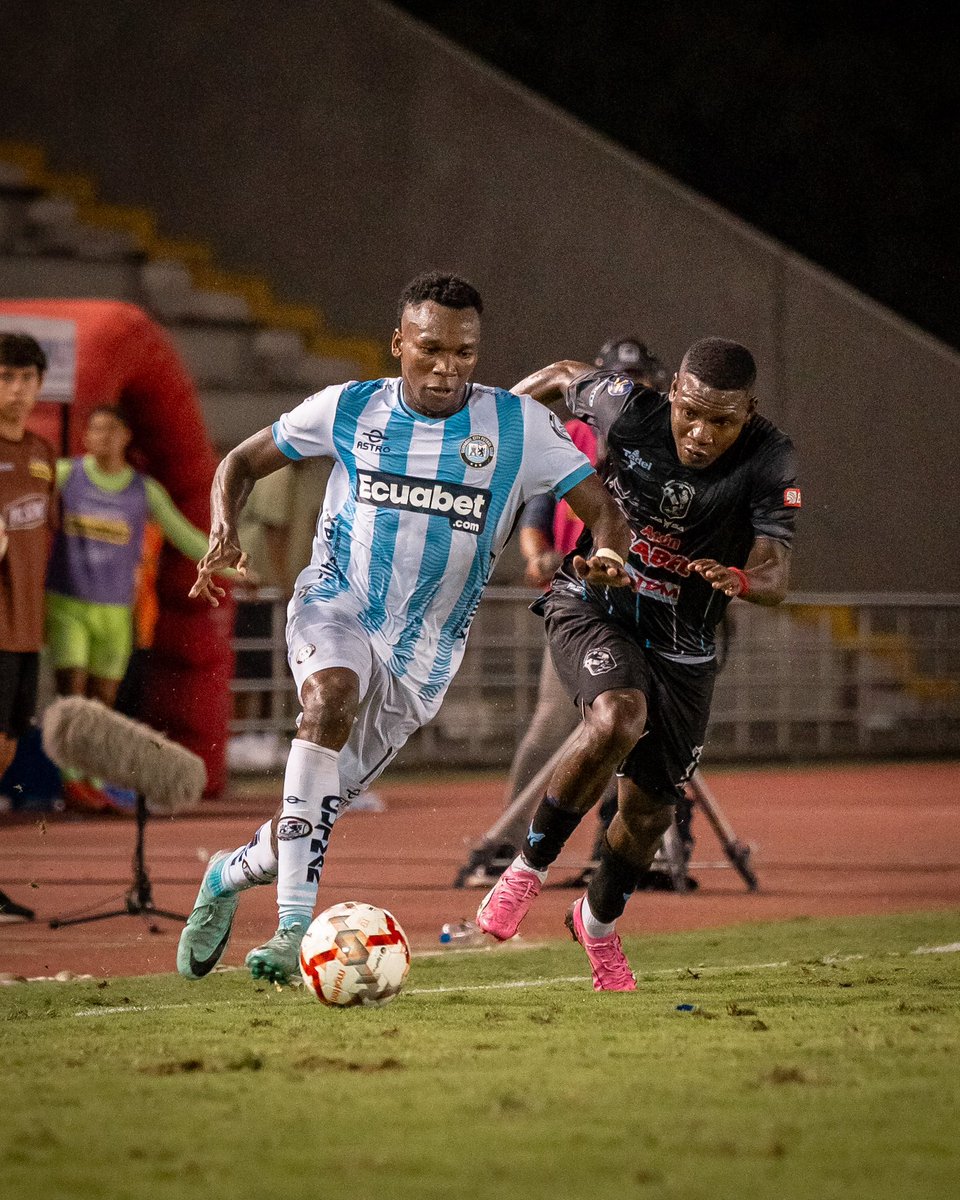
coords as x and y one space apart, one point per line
744 581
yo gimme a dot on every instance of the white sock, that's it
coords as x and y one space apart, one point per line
594 928
252 864
521 864
311 800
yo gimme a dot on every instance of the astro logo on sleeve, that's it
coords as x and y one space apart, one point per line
464 507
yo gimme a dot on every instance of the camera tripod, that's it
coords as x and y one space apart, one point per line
138 901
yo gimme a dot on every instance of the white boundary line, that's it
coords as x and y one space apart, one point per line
518 984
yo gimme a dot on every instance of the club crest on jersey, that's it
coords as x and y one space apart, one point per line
791 498
476 450
559 428
676 499
599 660
304 653
464 507
619 385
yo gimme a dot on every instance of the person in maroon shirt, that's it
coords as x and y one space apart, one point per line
26 487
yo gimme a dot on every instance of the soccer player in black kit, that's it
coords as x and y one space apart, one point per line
709 488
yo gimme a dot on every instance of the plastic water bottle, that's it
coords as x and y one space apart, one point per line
456 935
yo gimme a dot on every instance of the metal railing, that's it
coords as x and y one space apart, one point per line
822 676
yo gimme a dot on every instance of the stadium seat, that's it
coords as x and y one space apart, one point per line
247 370
36 277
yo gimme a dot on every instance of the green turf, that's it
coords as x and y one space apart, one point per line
820 1061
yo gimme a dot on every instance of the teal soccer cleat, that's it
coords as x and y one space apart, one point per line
278 959
207 930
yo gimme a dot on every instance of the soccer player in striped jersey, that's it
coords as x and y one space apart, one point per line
431 472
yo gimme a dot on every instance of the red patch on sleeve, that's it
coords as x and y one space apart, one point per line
791 498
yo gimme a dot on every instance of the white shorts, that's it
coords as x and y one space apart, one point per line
328 634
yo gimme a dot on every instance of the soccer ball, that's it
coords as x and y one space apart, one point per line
354 953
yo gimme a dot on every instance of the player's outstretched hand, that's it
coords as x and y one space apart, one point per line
724 579
601 572
223 554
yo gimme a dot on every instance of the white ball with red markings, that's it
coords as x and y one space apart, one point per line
354 953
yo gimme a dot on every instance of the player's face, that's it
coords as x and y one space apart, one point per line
106 437
437 348
19 390
705 421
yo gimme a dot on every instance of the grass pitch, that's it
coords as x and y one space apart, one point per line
819 1060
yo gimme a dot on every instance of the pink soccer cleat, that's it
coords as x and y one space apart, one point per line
608 963
506 904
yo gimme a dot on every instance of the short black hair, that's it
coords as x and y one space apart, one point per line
452 291
721 364
109 410
22 350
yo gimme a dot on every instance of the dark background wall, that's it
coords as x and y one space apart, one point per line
832 127
339 148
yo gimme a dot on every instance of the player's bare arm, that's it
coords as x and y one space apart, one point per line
549 385
253 459
763 580
598 510
539 556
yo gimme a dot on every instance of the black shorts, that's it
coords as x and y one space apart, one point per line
594 652
19 674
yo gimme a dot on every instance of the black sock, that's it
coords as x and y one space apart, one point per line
611 885
549 830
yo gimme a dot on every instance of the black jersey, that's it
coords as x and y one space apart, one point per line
678 513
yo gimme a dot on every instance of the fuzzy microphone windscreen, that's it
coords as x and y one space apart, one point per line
87 736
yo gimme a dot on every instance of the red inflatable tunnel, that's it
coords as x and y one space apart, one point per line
123 357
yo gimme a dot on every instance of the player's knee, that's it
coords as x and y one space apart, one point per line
647 809
618 719
330 700
646 817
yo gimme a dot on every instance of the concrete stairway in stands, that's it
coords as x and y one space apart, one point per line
251 357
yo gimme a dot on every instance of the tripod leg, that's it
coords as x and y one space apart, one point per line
529 798
162 912
736 851
673 856
62 922
140 895
525 802
139 899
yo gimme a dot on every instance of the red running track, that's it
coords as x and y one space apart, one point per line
829 840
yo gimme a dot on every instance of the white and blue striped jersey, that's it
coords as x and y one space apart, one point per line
418 508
